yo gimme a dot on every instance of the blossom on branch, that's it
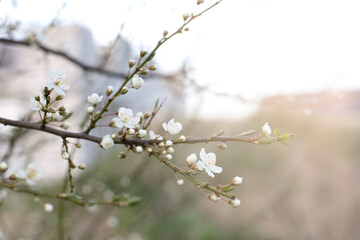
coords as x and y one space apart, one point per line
94 98
57 82
207 161
107 142
137 82
31 174
172 127
125 118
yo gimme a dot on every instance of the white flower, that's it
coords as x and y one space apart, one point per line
236 180
191 160
125 118
48 207
94 98
32 174
57 82
266 129
207 162
137 82
38 105
107 142
180 181
235 203
214 198
141 133
172 127
154 136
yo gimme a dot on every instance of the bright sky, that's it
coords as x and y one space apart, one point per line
251 47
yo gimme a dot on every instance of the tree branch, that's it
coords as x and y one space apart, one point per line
64 55
142 142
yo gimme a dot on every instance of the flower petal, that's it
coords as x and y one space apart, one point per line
200 165
164 125
203 154
216 169
209 172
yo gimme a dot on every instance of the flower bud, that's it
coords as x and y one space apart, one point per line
163 152
149 150
65 125
37 98
131 131
170 150
169 143
182 138
124 90
152 67
165 33
168 157
113 136
186 29
161 144
138 149
82 166
143 53
109 90
213 197
122 155
186 16
236 181
200 2
141 133
131 63
13 176
78 145
191 160
222 146
147 115
65 155
3 167
180 181
235 203
90 110
48 207
59 97
143 71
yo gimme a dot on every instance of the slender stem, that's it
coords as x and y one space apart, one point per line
196 182
139 66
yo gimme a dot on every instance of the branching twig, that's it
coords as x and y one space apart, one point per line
141 142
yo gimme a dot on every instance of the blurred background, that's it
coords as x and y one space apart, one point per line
294 64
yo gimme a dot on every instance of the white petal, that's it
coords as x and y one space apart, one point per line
216 169
203 154
209 172
200 165
164 125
